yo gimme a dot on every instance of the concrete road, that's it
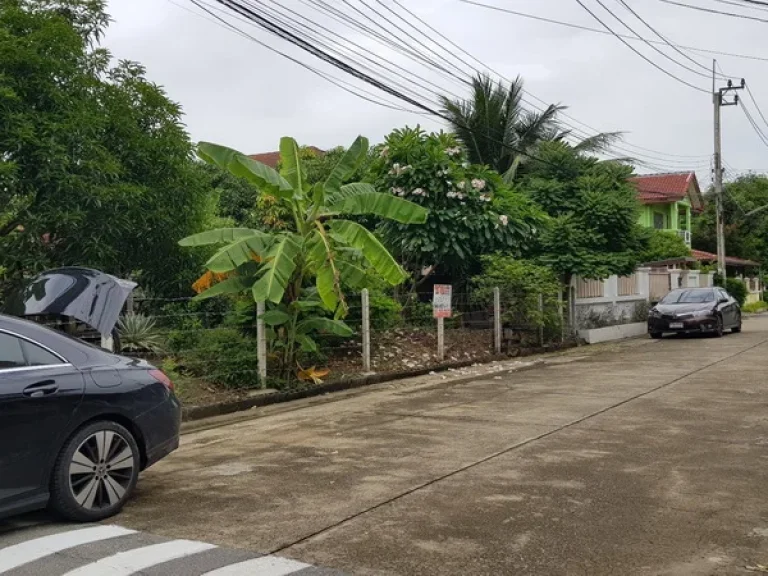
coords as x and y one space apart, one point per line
647 458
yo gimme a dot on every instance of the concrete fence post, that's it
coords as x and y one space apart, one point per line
611 288
572 311
261 342
643 283
366 331
497 320
675 280
560 312
541 323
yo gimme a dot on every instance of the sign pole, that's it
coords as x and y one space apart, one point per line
441 309
441 338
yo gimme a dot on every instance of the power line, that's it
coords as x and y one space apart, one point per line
757 2
653 47
279 31
757 107
604 32
751 120
663 38
384 39
343 84
287 34
713 11
739 4
628 45
561 113
339 49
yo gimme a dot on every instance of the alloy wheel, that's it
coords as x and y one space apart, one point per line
101 470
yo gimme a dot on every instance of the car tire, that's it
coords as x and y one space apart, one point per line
95 473
656 335
736 329
719 330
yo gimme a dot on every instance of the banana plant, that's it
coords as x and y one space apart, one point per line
322 249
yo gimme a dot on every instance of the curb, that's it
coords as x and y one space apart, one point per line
192 413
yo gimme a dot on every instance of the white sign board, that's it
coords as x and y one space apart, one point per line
441 301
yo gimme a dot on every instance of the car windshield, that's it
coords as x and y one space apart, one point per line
689 297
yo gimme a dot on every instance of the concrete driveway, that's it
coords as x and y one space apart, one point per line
646 458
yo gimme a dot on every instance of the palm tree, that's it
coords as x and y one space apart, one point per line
499 132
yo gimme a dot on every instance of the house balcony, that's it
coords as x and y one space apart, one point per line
686 236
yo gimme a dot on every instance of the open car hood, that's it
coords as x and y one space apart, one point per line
90 296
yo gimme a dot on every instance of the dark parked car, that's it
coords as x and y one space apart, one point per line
77 422
691 310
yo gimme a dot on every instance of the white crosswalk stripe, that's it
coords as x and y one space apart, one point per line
26 552
138 559
264 566
117 551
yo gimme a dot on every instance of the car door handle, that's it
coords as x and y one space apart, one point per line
44 388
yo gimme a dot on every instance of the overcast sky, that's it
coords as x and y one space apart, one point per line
238 93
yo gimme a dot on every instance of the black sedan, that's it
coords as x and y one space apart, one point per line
695 310
78 423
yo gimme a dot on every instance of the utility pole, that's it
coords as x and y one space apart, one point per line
719 101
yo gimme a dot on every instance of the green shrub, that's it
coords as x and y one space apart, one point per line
221 356
662 245
243 316
386 312
520 283
420 315
755 307
737 289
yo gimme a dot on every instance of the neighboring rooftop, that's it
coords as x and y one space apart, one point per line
703 256
271 158
669 187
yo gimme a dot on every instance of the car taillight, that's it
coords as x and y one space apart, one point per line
161 377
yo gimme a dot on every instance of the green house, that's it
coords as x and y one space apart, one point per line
668 201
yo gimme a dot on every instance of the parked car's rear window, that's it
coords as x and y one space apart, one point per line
689 297
11 355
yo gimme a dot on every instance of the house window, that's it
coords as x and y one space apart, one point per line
658 221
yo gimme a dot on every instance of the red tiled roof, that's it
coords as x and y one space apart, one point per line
659 188
271 158
732 260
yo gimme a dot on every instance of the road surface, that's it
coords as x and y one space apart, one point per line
646 458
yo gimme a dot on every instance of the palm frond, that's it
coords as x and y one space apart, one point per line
598 143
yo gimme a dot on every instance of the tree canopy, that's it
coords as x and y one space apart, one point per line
95 165
593 230
471 210
746 235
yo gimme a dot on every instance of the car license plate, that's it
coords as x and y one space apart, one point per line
675 325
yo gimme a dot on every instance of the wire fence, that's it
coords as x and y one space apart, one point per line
217 340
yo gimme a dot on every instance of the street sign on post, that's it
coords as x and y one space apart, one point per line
441 301
441 309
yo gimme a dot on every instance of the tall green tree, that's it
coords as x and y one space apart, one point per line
746 233
499 131
304 267
95 165
593 230
471 210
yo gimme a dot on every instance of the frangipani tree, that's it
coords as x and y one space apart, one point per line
303 269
